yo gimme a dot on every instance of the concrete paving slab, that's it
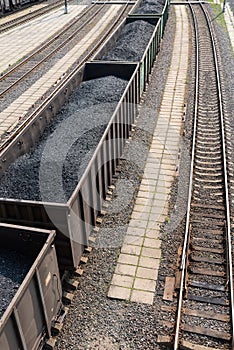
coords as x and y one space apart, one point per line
128 259
116 292
122 281
144 284
124 269
148 262
144 272
131 249
138 295
133 240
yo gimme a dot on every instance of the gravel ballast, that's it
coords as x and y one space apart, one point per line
13 269
132 42
51 171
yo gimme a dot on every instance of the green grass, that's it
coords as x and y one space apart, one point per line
219 16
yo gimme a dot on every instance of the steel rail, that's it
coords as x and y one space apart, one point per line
39 51
187 231
63 83
227 204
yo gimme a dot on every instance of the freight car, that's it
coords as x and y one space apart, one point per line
7 6
75 217
29 269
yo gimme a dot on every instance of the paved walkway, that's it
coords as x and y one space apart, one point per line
137 268
18 42
10 116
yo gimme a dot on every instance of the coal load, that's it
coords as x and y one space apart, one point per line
13 269
51 171
132 42
150 7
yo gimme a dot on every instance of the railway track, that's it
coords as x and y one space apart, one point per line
205 300
26 68
29 16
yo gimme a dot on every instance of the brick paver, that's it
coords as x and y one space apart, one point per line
151 205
